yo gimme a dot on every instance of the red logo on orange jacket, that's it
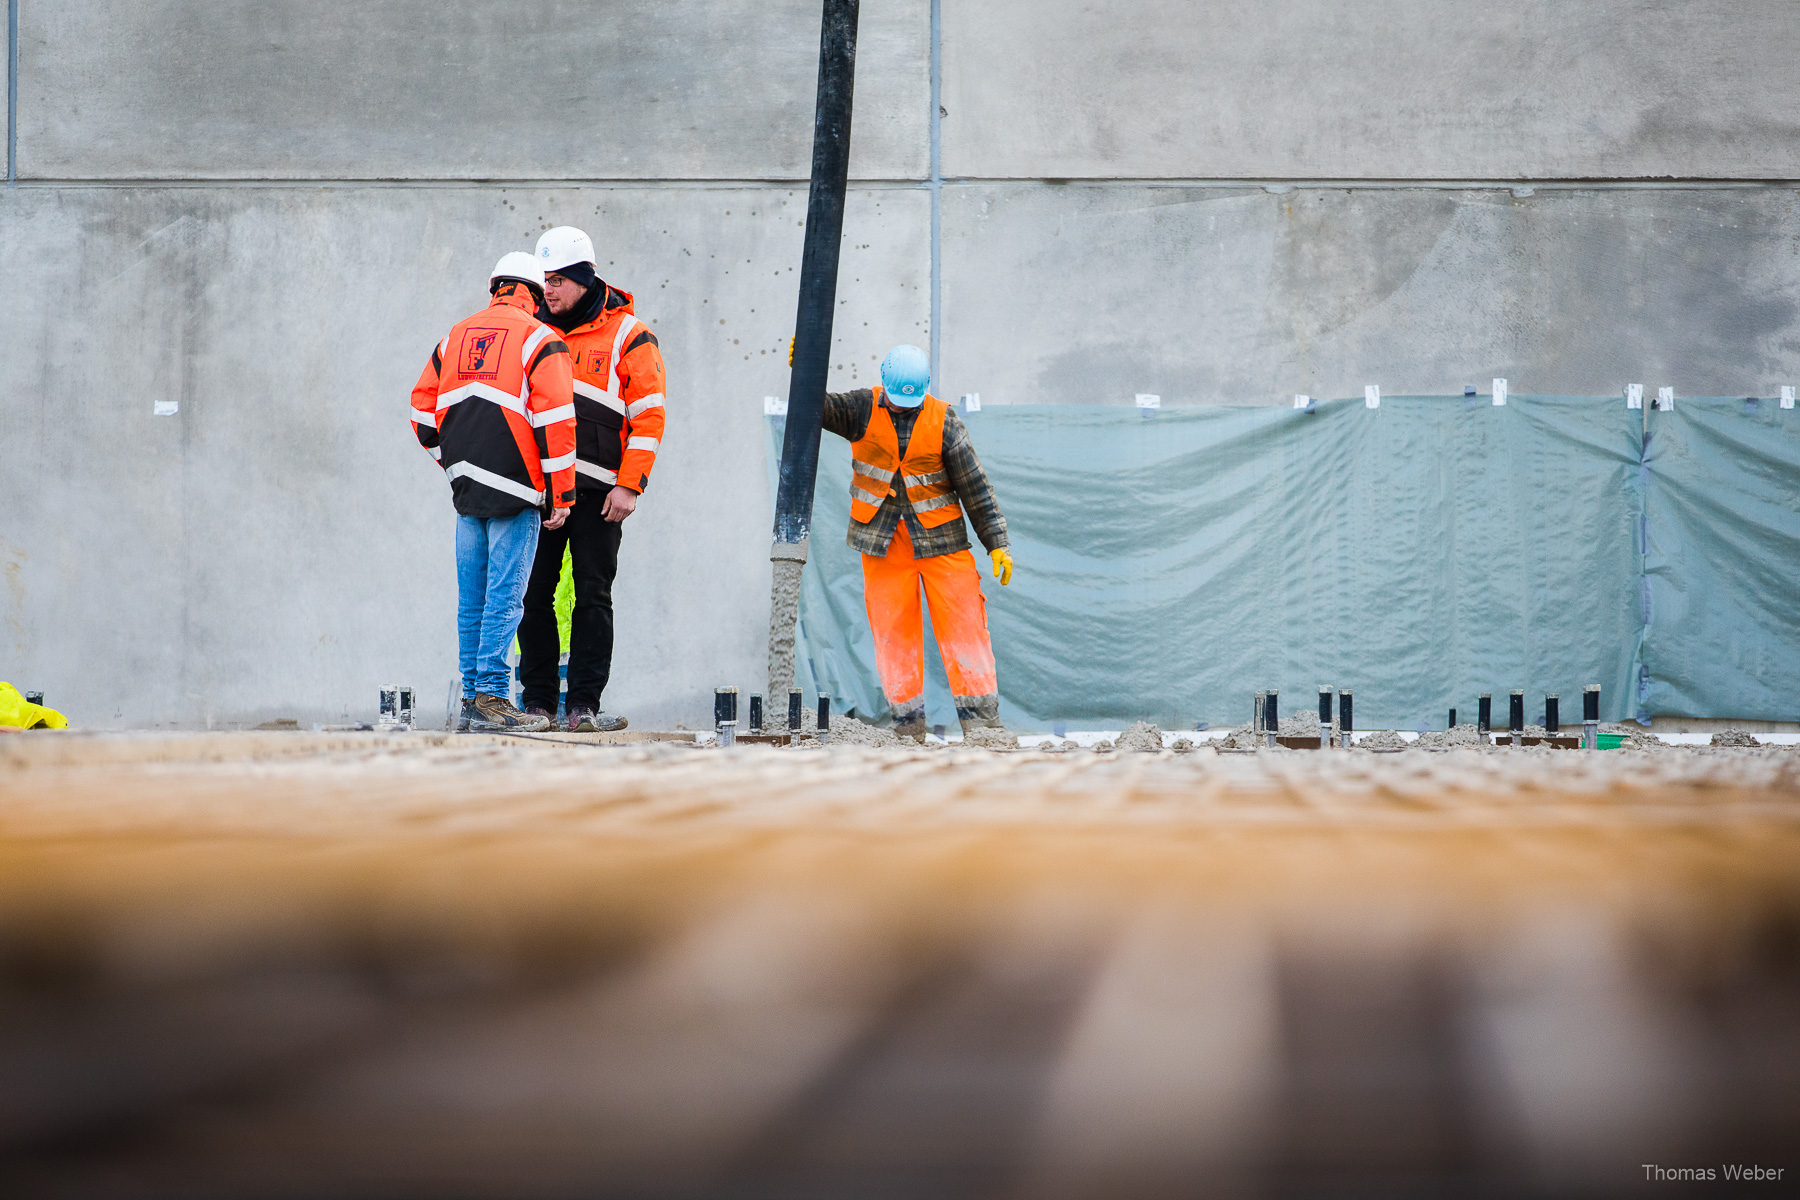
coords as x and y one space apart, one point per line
481 352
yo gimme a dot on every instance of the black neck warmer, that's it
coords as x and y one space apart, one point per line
585 309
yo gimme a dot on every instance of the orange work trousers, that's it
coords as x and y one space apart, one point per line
958 617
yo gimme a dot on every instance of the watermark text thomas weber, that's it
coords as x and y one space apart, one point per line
1737 1172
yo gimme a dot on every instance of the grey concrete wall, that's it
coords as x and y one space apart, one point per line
1235 295
1377 89
268 212
282 546
475 89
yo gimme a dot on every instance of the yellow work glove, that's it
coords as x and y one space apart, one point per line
1002 566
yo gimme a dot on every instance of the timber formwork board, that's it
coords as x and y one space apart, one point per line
288 964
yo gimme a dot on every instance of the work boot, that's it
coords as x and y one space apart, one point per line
979 712
496 713
468 718
587 720
911 724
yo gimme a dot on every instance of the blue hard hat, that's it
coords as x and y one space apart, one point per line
905 373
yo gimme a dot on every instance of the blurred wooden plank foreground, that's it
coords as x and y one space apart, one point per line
295 965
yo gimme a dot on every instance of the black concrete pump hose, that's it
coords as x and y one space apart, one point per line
812 332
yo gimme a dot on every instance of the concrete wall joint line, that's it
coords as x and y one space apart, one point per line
12 92
936 184
1584 185
668 184
931 185
471 184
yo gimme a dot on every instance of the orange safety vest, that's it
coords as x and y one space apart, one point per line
875 461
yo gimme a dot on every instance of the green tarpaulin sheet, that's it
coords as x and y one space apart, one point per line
1721 588
1171 562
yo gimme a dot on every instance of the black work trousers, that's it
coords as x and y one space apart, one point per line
594 561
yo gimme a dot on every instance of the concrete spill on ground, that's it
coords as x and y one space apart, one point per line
1636 737
292 964
852 731
848 731
1141 736
1240 738
1443 739
1733 737
1305 724
989 738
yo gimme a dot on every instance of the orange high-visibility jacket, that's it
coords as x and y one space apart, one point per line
619 384
875 461
496 407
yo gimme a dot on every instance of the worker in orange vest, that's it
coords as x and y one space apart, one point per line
914 477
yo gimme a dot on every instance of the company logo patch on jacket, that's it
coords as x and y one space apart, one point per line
495 405
481 352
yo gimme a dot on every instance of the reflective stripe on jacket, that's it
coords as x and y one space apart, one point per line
619 384
876 461
495 407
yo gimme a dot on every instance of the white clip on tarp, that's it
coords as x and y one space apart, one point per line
1146 400
1665 399
971 401
1499 393
1787 397
1634 395
1371 396
774 406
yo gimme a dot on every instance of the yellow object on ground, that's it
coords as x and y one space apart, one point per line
1002 566
17 713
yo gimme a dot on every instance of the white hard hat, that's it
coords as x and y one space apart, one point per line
520 266
562 246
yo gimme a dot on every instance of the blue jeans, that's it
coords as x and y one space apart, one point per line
493 561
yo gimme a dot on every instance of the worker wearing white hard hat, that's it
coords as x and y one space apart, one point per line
519 267
619 384
495 407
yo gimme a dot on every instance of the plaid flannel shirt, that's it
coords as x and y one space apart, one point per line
847 415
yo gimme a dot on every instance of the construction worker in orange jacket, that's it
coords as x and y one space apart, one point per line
495 406
914 477
619 383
